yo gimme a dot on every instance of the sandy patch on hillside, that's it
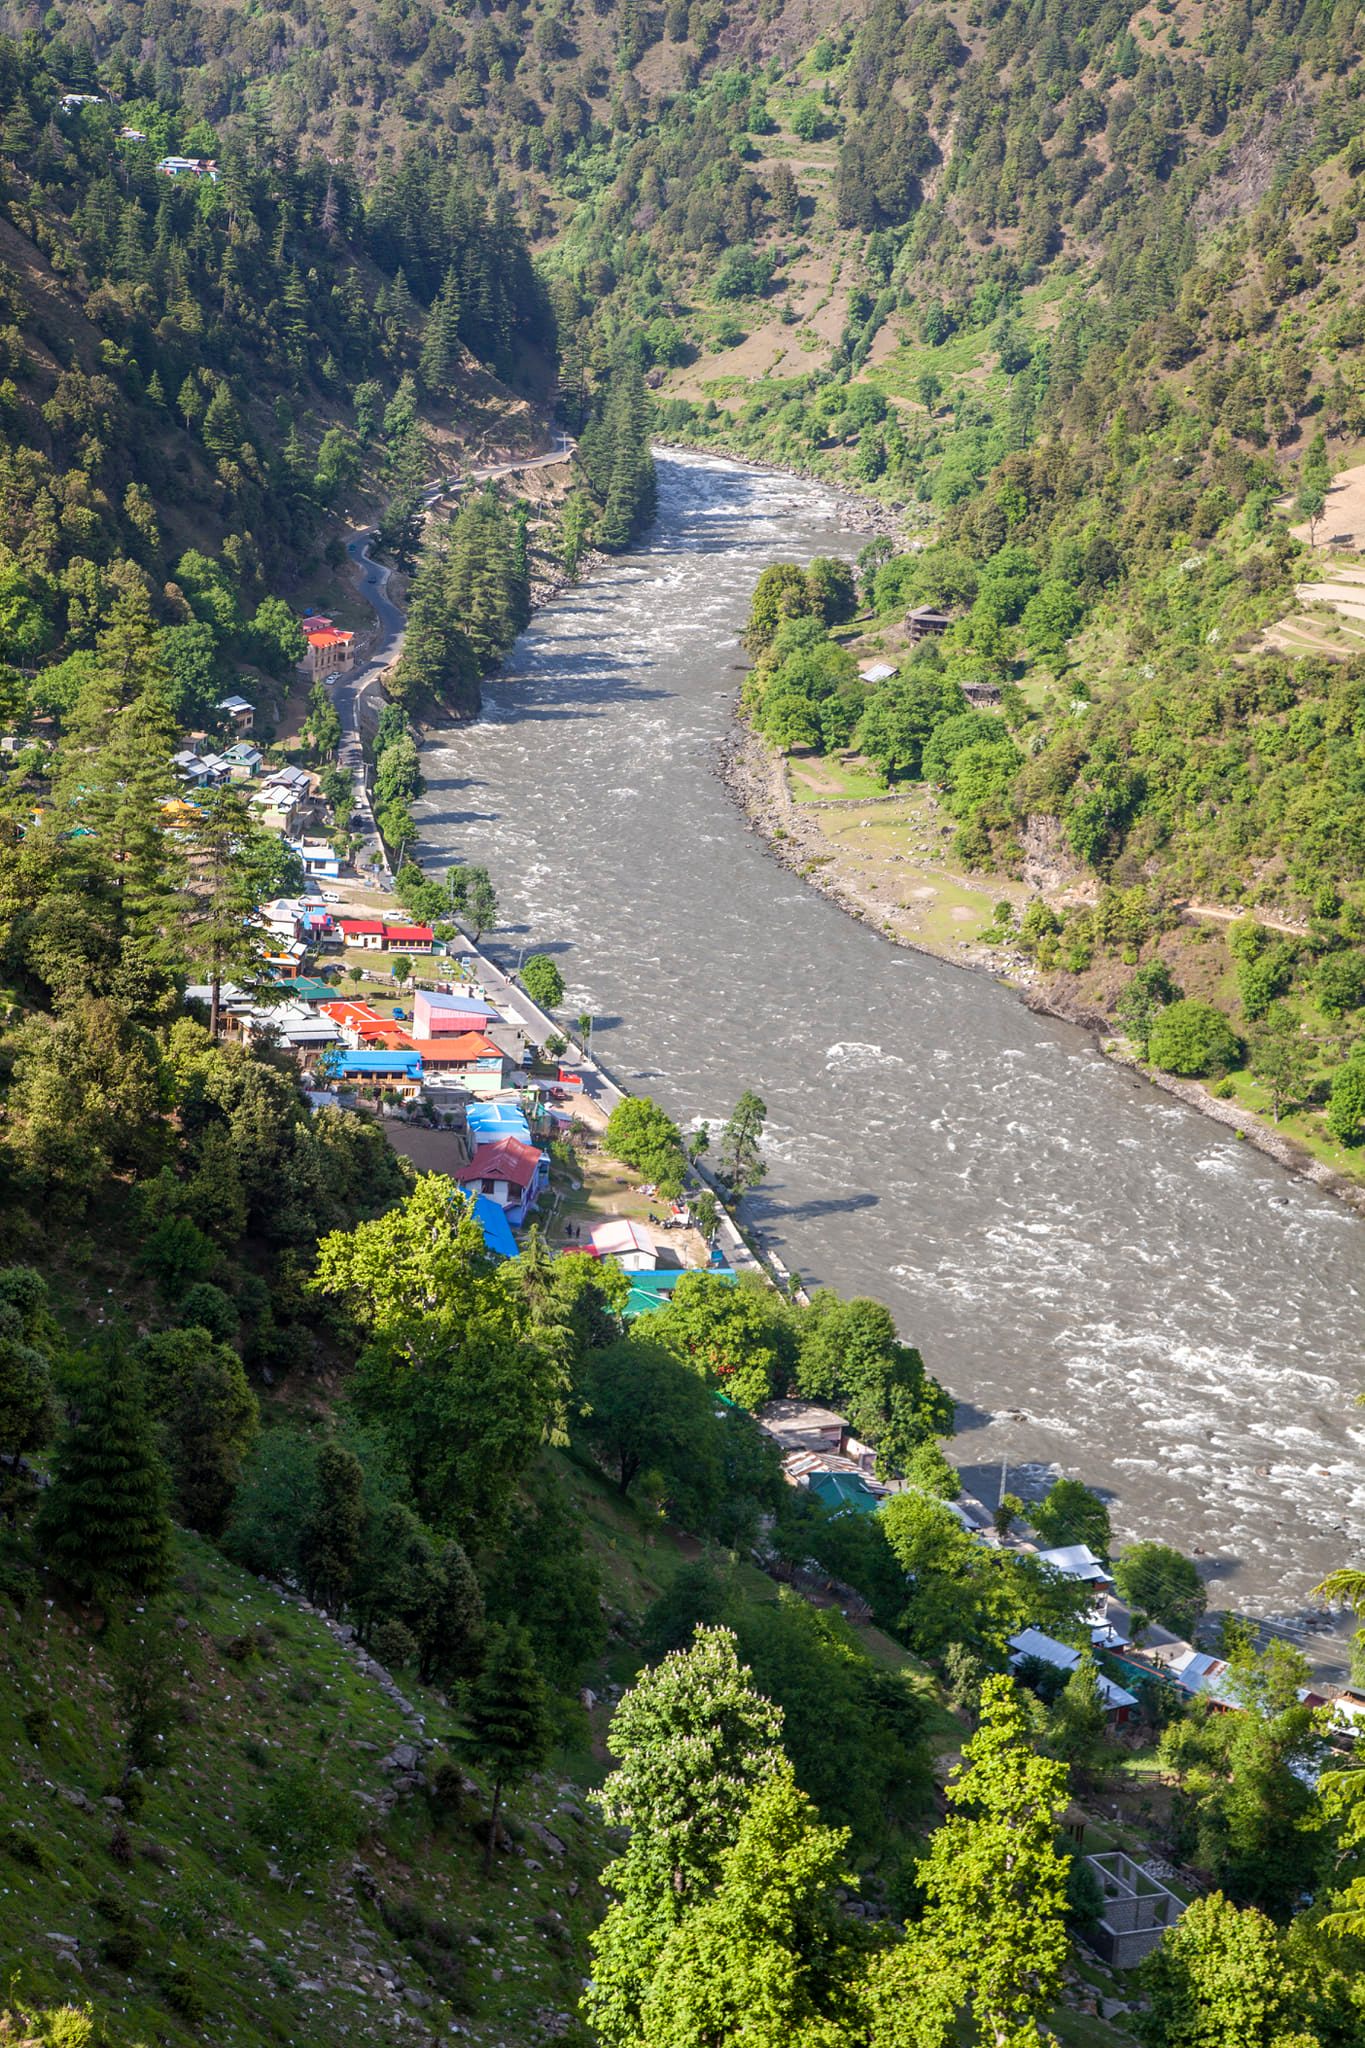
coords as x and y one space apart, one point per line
1343 523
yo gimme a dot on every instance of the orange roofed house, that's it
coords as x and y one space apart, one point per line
329 646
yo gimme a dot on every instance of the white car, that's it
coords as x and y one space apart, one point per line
330 896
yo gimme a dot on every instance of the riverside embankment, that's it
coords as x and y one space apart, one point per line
1109 1283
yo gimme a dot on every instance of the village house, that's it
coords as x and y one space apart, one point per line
468 1054
490 1121
377 935
398 1068
241 760
360 1024
240 715
925 623
409 938
294 1024
629 1243
317 858
189 167
192 769
877 671
845 1493
804 1426
1120 1705
513 1175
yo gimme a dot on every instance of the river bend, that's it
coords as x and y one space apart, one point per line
1108 1283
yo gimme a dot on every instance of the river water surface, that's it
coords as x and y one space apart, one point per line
1109 1284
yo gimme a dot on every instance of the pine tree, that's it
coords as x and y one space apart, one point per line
330 1541
103 1525
441 337
508 1721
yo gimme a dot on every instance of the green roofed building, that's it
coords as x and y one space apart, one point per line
844 1493
652 1289
308 988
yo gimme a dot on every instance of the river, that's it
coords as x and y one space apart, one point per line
1109 1284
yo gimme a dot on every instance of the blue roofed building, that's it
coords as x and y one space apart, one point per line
380 1067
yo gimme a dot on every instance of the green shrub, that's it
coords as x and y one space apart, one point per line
1189 1037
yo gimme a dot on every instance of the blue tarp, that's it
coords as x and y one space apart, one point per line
497 1231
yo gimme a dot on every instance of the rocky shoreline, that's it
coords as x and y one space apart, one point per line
753 775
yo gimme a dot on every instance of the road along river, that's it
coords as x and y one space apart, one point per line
1109 1284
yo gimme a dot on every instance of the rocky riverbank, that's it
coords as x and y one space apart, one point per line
755 776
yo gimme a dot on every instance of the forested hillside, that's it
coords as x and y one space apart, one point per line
399 1640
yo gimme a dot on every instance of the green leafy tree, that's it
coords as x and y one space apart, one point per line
1142 1002
691 1739
991 1947
1282 1058
1070 1512
1159 1582
28 1337
452 1372
1346 1103
331 1536
736 1338
645 1413
767 1959
543 982
644 1137
851 1355
1190 1037
472 897
1223 1977
1077 1724
103 1525
200 1392
231 867
508 1721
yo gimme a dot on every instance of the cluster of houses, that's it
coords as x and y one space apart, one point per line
821 1454
924 622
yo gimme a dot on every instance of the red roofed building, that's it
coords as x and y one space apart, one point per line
410 938
511 1174
360 1025
460 1053
365 932
329 648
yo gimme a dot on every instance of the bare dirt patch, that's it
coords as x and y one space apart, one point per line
1343 523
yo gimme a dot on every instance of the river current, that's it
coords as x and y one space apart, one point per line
1109 1284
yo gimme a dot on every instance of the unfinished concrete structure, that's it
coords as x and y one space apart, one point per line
1137 1910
